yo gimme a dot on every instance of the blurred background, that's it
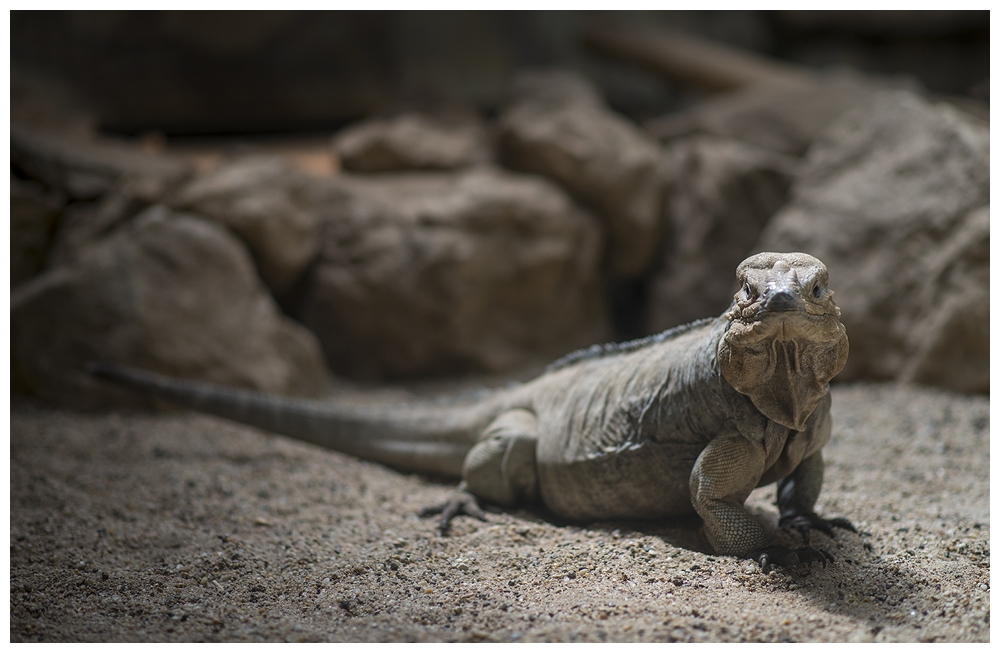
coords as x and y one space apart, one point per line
216 72
275 199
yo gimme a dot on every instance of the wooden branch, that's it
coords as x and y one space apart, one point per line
691 60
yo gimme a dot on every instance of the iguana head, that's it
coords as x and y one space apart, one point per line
785 340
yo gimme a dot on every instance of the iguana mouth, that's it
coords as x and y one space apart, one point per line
783 326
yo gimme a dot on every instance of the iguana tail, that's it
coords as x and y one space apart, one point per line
428 437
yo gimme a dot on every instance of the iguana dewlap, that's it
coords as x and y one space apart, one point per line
692 419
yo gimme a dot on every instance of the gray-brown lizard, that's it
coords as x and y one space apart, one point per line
692 419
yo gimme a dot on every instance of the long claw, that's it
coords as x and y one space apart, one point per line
840 522
463 505
803 524
782 556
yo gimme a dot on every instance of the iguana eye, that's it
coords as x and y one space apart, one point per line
747 291
817 290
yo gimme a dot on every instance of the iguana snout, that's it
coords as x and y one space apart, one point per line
782 289
783 300
774 283
785 340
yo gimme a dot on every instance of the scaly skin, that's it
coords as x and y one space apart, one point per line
691 420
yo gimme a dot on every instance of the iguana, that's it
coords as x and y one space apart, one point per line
691 419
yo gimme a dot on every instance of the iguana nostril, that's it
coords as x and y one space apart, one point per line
782 300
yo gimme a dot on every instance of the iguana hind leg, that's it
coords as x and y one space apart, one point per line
499 469
462 504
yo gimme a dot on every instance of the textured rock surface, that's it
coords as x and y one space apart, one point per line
895 200
165 292
267 203
555 126
720 194
411 142
783 119
33 217
427 273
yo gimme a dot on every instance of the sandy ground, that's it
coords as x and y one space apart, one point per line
181 527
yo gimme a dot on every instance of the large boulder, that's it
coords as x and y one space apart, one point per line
720 194
270 205
437 273
411 141
558 127
895 200
166 292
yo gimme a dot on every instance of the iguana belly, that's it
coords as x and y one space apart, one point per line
644 481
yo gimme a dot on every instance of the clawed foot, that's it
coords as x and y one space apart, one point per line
802 524
782 556
464 504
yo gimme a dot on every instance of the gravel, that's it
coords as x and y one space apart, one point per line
181 527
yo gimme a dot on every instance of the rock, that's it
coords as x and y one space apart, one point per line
33 217
438 273
267 203
783 118
411 142
895 200
84 223
555 88
558 128
86 169
166 292
720 194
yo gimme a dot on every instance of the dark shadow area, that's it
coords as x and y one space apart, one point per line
198 73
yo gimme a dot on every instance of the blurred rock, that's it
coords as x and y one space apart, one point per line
557 127
555 88
895 200
720 194
440 273
411 142
267 203
84 223
85 169
33 217
166 292
781 118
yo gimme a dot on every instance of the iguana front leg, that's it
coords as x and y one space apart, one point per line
499 469
797 494
722 478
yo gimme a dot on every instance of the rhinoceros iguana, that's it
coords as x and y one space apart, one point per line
691 419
